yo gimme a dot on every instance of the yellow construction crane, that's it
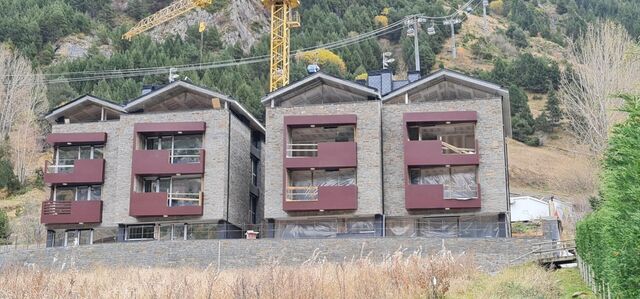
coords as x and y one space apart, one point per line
283 18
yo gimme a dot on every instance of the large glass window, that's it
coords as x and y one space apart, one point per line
181 190
65 157
78 237
255 165
459 181
303 184
77 193
140 232
184 148
456 138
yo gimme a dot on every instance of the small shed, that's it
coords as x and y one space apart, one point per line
528 208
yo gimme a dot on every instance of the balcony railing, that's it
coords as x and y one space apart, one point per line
451 149
308 193
321 155
460 192
168 162
422 197
71 212
83 171
321 198
302 150
159 204
184 199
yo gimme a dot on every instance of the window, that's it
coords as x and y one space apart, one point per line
181 190
184 148
140 232
255 165
78 237
65 156
77 193
456 138
256 139
459 181
253 208
303 184
170 232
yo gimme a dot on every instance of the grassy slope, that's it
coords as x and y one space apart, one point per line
557 168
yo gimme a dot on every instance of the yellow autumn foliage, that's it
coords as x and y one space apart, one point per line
322 57
381 20
497 7
363 76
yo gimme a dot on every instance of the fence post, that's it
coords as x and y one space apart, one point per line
608 292
219 247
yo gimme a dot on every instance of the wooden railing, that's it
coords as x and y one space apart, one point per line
302 150
49 167
307 193
185 197
56 208
457 150
550 251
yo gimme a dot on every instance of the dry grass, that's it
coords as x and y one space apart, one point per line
398 276
528 281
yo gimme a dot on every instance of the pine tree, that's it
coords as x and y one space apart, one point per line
553 109
102 90
543 124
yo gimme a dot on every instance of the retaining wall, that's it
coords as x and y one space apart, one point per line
490 254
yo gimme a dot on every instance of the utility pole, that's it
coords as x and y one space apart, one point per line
485 3
452 23
416 47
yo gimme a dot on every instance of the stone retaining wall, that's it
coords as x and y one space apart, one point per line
490 254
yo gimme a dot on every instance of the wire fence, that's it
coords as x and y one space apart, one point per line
440 227
600 287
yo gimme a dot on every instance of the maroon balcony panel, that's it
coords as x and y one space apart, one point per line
84 172
170 128
157 162
330 155
421 197
429 152
452 116
157 205
330 198
306 120
76 138
71 212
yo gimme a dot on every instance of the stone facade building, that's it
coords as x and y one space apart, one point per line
420 157
179 162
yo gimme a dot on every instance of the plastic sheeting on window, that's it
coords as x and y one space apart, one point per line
360 227
459 181
400 227
479 226
442 227
318 178
309 230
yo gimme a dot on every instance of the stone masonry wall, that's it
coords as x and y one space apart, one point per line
490 254
368 151
489 133
119 151
240 172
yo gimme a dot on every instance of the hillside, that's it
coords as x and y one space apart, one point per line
523 48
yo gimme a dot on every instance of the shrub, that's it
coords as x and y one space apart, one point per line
497 7
608 238
517 35
4 228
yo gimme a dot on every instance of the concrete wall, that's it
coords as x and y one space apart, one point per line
368 151
489 133
490 254
119 151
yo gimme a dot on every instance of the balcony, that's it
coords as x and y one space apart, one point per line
163 204
84 172
421 197
321 155
71 212
166 162
321 198
436 152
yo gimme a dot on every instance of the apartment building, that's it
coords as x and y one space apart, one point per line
179 162
416 157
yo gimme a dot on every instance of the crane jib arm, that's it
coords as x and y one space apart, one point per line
170 12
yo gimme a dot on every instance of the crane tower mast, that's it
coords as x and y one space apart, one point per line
283 19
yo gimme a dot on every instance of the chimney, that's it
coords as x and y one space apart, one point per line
413 76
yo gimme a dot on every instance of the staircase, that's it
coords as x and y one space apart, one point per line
551 254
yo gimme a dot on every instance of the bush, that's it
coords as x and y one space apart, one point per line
4 228
608 238
518 36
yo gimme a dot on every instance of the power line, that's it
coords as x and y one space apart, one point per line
138 72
